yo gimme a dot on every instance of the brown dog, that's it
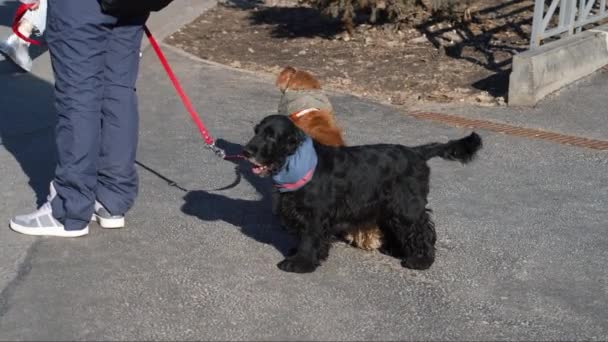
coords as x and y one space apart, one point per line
300 90
309 108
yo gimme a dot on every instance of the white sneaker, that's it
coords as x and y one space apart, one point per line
105 219
42 222
18 51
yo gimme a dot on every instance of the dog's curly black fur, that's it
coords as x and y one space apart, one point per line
384 183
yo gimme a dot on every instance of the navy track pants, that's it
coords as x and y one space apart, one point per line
95 59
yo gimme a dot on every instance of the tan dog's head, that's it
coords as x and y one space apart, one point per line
293 79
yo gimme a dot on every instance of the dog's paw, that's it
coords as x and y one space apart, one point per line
297 265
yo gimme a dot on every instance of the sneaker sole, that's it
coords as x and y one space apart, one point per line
54 231
109 223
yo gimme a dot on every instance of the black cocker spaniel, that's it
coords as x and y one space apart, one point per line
324 191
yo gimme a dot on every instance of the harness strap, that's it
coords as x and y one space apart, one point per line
296 115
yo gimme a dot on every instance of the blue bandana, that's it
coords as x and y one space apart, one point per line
298 169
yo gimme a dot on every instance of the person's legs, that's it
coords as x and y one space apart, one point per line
117 182
77 36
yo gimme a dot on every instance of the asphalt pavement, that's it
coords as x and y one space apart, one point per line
522 250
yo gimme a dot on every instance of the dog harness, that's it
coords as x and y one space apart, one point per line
297 100
298 169
296 115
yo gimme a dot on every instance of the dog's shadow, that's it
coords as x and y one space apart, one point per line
253 217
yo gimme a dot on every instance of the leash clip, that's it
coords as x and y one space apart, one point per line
217 151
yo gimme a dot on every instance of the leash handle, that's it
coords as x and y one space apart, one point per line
21 10
186 101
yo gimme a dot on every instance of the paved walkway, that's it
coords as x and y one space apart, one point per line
522 233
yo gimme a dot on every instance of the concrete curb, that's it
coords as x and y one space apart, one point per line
538 73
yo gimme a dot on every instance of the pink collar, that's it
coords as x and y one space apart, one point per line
297 184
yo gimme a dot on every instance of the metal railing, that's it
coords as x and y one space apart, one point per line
564 18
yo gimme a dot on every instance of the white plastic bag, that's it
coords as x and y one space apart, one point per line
37 17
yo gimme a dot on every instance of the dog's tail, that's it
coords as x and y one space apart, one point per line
464 150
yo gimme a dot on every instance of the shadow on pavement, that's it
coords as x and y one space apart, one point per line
253 217
7 12
27 122
27 117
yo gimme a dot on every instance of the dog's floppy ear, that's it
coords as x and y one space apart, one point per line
294 140
284 77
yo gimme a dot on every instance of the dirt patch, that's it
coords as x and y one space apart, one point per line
428 60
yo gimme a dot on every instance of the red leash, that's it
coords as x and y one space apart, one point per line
21 10
189 107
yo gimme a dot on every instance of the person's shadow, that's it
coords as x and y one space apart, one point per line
253 217
27 115
7 12
27 121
